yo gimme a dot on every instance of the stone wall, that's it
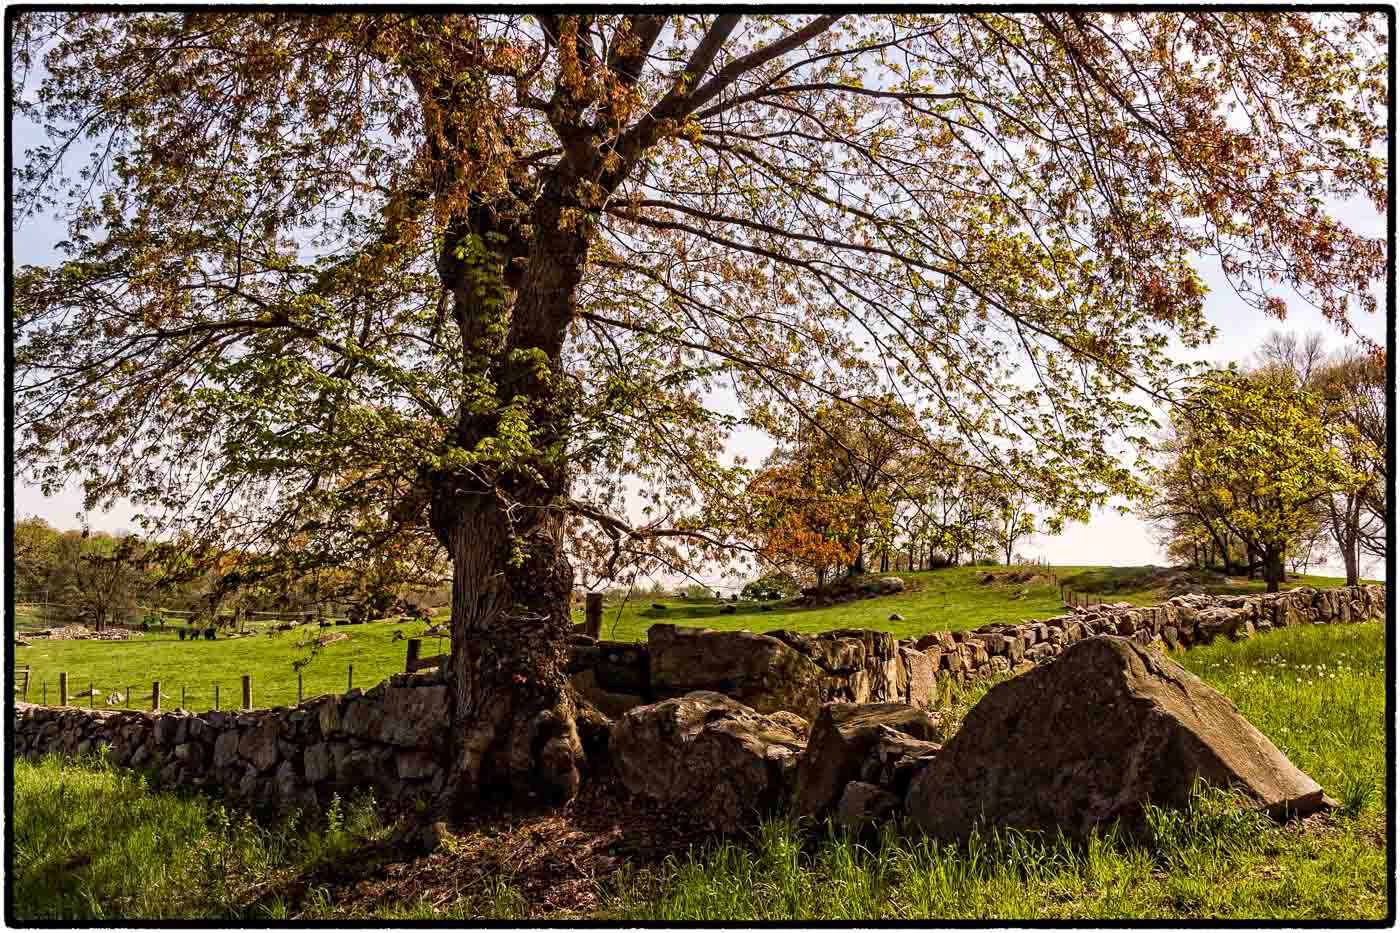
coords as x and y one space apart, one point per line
389 737
386 738
781 670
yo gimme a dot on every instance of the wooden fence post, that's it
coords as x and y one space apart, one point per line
130 697
63 688
298 687
593 615
216 696
155 696
92 696
247 691
183 705
349 677
415 648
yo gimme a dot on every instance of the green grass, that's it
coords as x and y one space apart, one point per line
939 600
1316 691
198 666
1136 584
92 844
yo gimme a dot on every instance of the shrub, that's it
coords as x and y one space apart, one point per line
180 632
776 585
210 633
698 591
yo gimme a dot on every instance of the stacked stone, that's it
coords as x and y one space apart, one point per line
998 649
386 738
783 670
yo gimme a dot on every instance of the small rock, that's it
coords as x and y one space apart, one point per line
843 735
864 804
706 752
801 727
896 617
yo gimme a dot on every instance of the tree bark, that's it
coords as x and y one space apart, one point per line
512 709
1273 569
1351 555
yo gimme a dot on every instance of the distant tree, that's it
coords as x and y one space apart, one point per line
1014 522
775 585
801 523
1260 455
1353 394
100 573
1351 388
34 547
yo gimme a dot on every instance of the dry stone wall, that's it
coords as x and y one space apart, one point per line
387 738
782 670
390 737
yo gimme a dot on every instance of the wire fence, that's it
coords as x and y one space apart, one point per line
225 692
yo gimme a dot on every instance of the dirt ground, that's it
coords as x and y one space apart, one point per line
554 856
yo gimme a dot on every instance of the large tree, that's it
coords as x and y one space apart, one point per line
433 267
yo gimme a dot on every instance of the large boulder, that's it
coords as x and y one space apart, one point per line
843 736
1091 738
708 753
758 670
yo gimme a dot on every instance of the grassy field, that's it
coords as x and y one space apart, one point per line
1317 691
374 649
939 600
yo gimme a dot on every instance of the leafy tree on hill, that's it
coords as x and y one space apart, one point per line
802 524
1351 389
101 574
1261 459
435 267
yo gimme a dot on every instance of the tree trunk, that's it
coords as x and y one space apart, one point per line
1351 555
512 707
1273 569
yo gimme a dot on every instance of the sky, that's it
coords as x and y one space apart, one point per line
1108 538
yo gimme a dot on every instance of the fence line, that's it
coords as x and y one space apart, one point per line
30 688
